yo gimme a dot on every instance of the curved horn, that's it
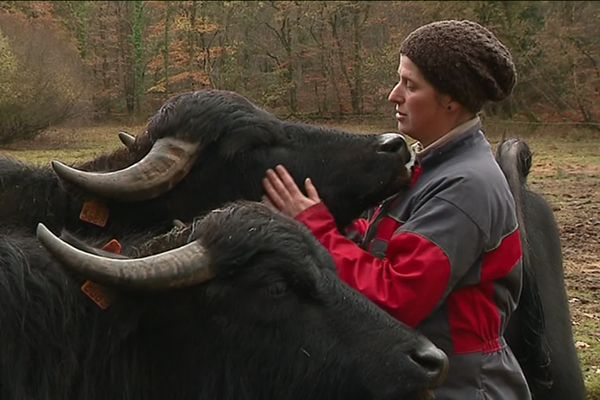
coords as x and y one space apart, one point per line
163 167
127 139
186 266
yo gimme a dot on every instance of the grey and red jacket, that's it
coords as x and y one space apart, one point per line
444 257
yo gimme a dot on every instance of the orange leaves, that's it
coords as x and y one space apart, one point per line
198 25
195 79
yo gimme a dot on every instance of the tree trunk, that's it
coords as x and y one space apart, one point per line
192 44
138 53
359 17
166 45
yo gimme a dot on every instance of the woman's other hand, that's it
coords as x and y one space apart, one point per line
284 195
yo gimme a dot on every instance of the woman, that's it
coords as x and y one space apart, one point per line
444 257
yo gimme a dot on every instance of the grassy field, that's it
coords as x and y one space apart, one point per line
566 171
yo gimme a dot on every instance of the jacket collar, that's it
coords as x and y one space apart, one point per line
447 141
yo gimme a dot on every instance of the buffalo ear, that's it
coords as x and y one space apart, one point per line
242 139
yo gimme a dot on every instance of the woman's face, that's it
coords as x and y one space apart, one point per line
419 109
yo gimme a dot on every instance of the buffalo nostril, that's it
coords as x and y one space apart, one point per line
433 360
391 142
394 143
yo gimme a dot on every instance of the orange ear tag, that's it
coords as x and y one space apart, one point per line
95 213
113 246
102 296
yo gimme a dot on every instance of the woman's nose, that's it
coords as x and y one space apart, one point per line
396 95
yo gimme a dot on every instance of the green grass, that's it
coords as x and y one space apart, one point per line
69 145
43 157
589 356
587 331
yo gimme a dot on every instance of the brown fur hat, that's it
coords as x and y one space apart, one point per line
463 60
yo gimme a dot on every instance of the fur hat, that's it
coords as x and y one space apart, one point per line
463 60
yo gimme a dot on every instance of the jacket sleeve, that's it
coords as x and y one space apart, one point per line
419 269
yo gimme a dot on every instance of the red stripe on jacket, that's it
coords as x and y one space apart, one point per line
358 228
417 171
499 262
414 266
473 314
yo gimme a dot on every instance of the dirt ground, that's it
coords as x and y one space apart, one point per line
577 211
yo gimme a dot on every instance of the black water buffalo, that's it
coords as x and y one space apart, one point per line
200 151
539 332
250 308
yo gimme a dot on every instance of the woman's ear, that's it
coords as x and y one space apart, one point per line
449 103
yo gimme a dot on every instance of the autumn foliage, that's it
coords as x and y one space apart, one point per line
40 77
318 58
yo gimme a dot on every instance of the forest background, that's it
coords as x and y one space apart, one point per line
96 61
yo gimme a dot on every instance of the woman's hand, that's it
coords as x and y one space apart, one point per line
284 194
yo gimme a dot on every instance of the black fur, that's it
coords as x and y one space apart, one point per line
539 332
29 195
275 323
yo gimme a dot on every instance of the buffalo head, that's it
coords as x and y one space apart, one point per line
206 148
252 306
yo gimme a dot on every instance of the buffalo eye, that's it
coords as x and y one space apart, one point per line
277 289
